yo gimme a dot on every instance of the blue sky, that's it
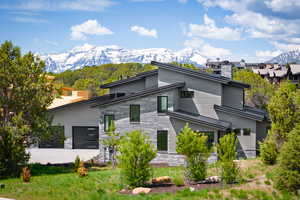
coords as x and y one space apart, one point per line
254 30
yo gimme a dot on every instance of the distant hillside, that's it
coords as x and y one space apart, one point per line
88 55
288 57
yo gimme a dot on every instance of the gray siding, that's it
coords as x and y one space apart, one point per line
247 144
129 87
151 81
206 93
76 115
233 97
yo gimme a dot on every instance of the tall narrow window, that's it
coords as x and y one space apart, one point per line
162 140
134 113
162 104
108 119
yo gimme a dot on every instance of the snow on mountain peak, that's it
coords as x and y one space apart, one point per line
88 55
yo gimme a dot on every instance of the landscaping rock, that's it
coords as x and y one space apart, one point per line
140 190
212 179
162 179
192 189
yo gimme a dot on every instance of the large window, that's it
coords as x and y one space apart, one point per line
108 120
162 140
134 113
55 140
186 94
162 104
85 137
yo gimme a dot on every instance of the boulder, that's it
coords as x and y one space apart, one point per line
212 179
140 190
162 179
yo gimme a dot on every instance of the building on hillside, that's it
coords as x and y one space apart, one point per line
160 103
216 66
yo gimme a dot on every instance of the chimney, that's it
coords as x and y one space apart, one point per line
226 70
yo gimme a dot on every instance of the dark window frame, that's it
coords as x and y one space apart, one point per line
131 113
73 140
104 121
61 145
186 94
237 131
246 130
162 146
159 100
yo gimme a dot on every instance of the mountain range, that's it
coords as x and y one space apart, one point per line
89 55
287 57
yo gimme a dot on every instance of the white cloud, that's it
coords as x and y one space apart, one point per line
53 5
210 30
207 49
285 47
264 55
23 19
89 27
283 5
144 32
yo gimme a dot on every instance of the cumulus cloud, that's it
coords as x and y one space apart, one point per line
283 5
53 5
264 55
207 49
210 30
284 46
144 32
89 27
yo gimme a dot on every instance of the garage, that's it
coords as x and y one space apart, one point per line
85 137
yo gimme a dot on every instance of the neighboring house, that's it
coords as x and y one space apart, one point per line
216 66
276 73
160 103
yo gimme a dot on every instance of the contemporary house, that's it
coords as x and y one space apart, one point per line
160 103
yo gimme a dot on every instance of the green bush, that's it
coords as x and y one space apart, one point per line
287 176
193 146
76 163
226 150
136 152
268 150
178 181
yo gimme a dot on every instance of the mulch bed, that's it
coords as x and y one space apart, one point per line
171 188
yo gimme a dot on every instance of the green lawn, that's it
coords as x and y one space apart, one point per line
105 184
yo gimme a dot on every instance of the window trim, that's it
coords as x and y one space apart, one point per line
159 110
139 113
167 145
104 121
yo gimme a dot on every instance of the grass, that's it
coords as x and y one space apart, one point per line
62 183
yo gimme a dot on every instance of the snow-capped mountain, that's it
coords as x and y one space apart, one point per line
287 57
88 55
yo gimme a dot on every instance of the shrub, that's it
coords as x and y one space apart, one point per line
287 176
193 146
26 174
136 152
82 171
268 150
76 163
226 150
178 181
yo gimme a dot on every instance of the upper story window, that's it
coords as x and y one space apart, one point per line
186 94
134 113
246 131
162 104
108 120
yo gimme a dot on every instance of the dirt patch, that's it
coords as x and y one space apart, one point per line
171 188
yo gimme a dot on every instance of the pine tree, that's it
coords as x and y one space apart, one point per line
25 94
